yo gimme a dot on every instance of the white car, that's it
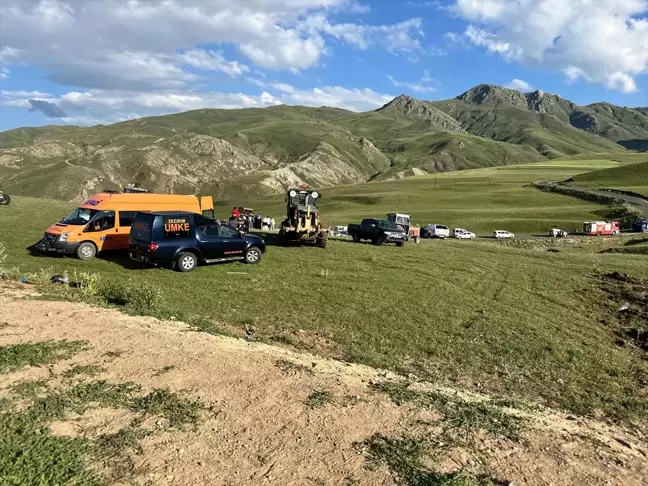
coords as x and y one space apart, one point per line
437 231
501 234
462 234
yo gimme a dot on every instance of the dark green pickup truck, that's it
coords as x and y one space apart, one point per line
379 231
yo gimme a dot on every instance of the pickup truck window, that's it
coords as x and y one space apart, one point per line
387 225
225 231
209 231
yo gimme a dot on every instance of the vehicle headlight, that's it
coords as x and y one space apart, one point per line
64 236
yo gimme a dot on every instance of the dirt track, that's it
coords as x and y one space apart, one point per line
263 432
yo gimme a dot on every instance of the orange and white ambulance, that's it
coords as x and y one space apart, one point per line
104 221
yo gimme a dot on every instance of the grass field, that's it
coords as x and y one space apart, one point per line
511 319
628 177
480 200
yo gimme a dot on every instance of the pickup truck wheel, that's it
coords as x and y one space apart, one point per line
85 251
253 255
400 243
186 262
356 238
378 240
5 200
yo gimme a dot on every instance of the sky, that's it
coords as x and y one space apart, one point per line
90 62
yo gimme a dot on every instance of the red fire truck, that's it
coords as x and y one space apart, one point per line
597 228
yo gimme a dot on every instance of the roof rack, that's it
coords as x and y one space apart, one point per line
131 188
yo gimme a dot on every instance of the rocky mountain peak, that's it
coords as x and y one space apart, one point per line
404 105
487 94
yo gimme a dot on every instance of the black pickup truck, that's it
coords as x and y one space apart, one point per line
379 231
182 240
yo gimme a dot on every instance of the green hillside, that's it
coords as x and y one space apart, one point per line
630 177
263 151
480 200
536 119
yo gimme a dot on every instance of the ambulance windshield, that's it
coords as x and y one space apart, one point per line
80 216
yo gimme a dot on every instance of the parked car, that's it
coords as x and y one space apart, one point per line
436 231
462 234
501 234
338 231
640 226
379 231
181 240
557 233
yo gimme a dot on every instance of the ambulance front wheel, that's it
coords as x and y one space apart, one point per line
86 251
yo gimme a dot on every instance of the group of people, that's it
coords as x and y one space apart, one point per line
268 223
253 220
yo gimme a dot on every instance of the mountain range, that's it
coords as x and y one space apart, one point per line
257 151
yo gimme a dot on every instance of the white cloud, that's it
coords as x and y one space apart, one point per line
23 94
519 85
212 61
159 44
401 37
423 86
436 51
110 106
601 41
336 96
286 88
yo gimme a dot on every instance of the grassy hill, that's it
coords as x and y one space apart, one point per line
263 151
630 177
481 200
540 120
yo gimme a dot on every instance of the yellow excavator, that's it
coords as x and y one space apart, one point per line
303 223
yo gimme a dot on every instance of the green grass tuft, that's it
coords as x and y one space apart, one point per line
89 370
319 398
461 420
289 367
404 458
30 389
31 455
162 402
16 356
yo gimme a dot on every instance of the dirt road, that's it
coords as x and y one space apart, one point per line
262 429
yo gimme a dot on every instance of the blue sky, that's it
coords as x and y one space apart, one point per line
88 62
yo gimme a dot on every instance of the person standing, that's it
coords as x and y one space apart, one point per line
272 224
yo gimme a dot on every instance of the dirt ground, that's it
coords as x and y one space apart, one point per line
262 431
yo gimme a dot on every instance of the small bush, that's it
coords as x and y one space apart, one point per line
7 273
140 297
87 283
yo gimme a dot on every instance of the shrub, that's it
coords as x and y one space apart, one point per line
7 273
87 283
140 297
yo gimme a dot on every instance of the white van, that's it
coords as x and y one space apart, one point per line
437 231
